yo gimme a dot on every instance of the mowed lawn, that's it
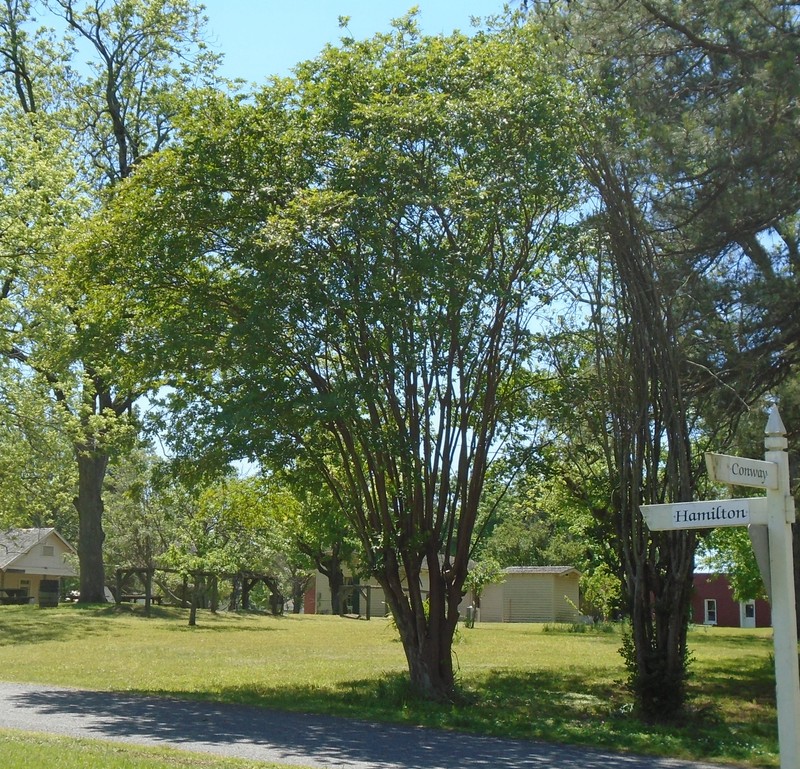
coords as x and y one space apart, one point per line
531 681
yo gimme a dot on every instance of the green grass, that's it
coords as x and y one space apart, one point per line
20 750
529 681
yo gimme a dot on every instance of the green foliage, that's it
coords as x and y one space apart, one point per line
729 551
541 525
485 572
660 691
602 592
37 472
346 269
83 103
231 526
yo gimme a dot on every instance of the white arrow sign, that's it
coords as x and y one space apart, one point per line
739 471
705 515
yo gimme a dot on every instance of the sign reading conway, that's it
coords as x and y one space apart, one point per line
740 471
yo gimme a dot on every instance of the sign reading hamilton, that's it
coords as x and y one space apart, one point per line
769 519
712 514
705 515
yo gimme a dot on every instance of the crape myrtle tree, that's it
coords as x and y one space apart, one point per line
88 123
350 267
699 190
647 444
624 440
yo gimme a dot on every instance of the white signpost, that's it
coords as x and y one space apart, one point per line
776 512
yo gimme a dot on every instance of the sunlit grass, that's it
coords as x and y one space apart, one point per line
21 750
529 681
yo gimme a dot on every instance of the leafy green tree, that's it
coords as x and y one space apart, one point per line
542 526
697 189
82 128
730 552
359 256
320 530
602 592
480 575
144 511
37 474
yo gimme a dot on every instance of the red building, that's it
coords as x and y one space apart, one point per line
713 604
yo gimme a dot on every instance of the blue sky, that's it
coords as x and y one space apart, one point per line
261 38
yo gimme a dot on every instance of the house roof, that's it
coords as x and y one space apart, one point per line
560 571
16 542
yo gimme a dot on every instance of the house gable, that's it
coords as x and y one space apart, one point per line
39 551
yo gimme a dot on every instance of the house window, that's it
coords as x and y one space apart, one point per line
48 551
25 584
750 610
711 611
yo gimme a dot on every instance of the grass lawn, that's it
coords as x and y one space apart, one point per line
19 750
529 681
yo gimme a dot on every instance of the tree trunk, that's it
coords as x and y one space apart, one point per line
299 587
236 591
659 612
426 630
89 504
276 598
640 360
247 585
330 566
195 600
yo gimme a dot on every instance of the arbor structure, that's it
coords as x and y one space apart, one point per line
85 127
351 268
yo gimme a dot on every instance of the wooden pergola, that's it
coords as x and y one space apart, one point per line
247 579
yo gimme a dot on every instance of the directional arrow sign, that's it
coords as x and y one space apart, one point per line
738 471
705 515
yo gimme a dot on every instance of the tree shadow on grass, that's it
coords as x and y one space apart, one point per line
544 706
751 679
262 734
27 625
32 625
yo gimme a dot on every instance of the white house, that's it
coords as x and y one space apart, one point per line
29 557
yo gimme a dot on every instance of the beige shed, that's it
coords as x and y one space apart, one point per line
533 594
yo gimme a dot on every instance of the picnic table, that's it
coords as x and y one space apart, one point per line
139 598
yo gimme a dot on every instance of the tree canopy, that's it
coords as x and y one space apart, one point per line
359 257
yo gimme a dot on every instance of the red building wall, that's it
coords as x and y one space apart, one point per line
310 598
716 586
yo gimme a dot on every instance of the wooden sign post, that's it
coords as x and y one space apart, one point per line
776 513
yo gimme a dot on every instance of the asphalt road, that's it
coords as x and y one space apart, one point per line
289 738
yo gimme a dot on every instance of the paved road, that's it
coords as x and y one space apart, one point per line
314 741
